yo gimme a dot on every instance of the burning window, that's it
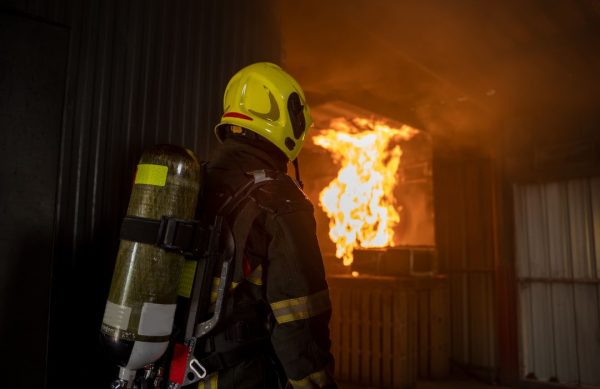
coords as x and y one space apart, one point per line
360 201
377 193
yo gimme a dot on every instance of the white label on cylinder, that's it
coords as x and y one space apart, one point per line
144 353
156 319
116 316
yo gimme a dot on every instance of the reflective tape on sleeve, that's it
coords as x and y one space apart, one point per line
256 276
301 307
210 382
214 291
315 380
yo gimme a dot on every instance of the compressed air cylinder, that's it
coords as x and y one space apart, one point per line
139 313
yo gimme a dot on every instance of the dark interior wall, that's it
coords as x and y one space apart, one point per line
544 146
535 150
137 73
32 80
475 227
465 238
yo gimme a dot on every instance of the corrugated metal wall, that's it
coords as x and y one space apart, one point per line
139 72
463 191
558 269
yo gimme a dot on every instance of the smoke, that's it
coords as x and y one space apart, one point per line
464 71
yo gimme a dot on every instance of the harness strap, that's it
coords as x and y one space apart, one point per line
239 232
182 236
241 229
231 264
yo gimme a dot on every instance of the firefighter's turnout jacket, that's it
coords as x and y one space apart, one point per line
277 314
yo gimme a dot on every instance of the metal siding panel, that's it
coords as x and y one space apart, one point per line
480 312
526 329
477 352
173 80
536 232
39 9
32 76
492 322
35 7
487 218
565 335
387 353
356 324
463 227
542 331
457 312
560 321
464 323
198 112
179 82
595 198
134 39
423 312
473 231
579 219
67 234
53 11
442 219
335 323
346 344
459 260
189 73
161 133
83 108
146 75
366 348
558 230
211 102
57 11
377 340
440 332
521 241
101 113
588 333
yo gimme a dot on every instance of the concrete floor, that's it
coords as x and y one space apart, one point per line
447 384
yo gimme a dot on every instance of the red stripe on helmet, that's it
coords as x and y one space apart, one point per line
237 115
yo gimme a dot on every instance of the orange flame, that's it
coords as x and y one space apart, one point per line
359 201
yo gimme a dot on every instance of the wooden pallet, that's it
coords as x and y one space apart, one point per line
433 330
387 330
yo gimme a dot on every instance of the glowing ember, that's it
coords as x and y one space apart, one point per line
359 201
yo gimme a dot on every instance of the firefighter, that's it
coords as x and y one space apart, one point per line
274 332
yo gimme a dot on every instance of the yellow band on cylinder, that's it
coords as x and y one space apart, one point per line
149 174
186 282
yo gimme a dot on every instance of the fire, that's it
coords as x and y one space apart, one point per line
360 201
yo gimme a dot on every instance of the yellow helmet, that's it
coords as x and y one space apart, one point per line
266 100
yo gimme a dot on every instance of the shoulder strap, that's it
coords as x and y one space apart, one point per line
258 178
244 219
241 229
237 230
